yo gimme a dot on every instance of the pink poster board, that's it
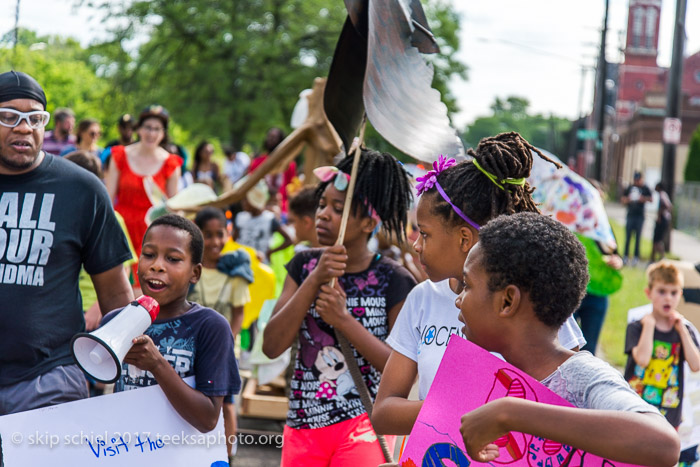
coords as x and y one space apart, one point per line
467 378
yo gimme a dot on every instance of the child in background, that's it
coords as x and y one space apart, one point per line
255 225
186 339
225 278
225 292
455 200
659 344
302 217
327 423
521 281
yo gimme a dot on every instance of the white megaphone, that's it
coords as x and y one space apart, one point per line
100 353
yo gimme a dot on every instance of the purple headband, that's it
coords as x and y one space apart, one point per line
429 180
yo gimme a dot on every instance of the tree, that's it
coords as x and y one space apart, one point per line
230 70
692 166
63 69
512 114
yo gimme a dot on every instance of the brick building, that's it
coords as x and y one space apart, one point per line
636 142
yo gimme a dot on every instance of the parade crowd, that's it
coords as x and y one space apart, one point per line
460 250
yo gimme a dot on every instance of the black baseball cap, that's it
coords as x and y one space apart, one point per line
125 120
18 85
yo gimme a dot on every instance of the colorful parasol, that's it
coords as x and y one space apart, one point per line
571 199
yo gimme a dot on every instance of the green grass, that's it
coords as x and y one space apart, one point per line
612 336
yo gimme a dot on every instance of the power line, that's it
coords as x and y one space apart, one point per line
519 45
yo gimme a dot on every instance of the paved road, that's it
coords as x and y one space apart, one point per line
260 443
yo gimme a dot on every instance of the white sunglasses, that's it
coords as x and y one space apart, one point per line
35 119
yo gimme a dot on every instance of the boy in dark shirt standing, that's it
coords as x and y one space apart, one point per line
186 339
634 197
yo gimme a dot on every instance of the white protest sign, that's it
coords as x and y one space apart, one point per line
138 428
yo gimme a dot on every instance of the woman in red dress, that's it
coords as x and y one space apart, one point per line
142 174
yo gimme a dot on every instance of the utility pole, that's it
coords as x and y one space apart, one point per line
14 46
600 98
673 97
580 91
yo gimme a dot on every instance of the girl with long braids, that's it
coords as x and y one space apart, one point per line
454 201
326 422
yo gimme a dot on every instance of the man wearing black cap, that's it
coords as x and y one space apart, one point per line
125 126
635 196
54 218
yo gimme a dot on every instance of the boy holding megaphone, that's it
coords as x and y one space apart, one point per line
186 339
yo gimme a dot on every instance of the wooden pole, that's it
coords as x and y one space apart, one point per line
351 184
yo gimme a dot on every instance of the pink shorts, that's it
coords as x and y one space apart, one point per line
349 443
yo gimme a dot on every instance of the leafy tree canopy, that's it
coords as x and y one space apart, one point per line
511 114
63 68
230 70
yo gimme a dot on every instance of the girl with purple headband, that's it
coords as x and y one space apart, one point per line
326 422
455 200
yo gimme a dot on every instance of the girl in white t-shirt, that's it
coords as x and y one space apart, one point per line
455 200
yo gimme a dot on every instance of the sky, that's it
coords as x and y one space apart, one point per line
534 49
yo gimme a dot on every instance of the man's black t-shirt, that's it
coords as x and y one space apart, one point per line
52 220
635 207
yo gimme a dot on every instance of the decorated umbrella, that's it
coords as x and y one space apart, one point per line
571 199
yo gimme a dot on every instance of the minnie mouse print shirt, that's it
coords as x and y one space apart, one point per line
322 391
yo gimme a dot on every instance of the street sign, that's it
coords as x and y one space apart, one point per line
587 133
672 130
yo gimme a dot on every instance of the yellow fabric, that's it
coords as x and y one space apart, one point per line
209 291
122 224
87 290
262 288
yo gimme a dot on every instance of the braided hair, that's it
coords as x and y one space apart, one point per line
507 155
384 184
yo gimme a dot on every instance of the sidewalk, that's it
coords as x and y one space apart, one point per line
685 246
